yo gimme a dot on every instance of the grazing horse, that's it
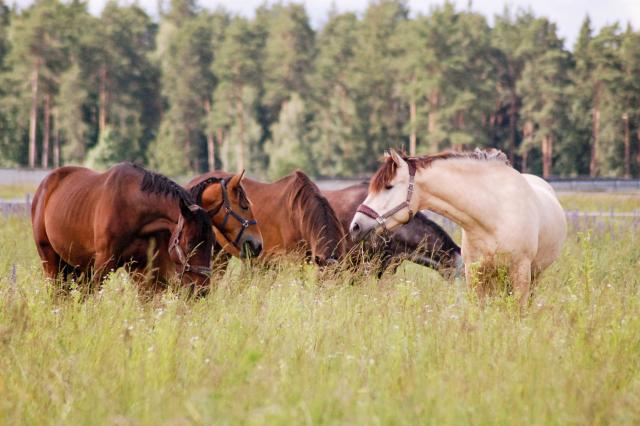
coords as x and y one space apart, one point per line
83 220
508 220
421 240
235 227
292 215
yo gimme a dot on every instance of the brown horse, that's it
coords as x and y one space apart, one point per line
235 226
83 220
421 240
292 215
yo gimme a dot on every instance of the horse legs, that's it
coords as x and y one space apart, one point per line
104 263
520 276
475 278
51 261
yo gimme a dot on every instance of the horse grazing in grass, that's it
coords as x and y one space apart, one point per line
86 221
508 220
292 215
225 201
421 240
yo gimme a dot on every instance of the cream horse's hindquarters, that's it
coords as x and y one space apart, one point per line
553 223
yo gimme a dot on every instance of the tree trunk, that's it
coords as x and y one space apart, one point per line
224 150
240 146
547 155
434 99
33 116
46 132
627 146
211 143
593 164
102 114
412 137
56 145
638 150
513 126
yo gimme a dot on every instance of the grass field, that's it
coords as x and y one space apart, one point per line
278 347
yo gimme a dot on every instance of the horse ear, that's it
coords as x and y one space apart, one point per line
396 157
186 210
236 179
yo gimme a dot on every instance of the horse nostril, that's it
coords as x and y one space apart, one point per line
257 249
355 227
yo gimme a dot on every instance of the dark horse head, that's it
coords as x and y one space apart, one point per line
317 221
191 239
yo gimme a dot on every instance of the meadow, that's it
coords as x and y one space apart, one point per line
281 346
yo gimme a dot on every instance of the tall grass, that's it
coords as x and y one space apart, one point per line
278 346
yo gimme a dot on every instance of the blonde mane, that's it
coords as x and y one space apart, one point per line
387 171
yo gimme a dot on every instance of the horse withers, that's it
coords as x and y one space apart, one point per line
421 240
509 221
89 222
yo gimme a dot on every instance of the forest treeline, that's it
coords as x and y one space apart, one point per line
197 89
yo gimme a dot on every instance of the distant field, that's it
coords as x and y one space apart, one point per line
16 191
602 202
276 346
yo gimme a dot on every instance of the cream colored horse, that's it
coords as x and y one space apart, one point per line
508 219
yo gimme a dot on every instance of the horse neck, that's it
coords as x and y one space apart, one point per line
161 206
456 189
306 217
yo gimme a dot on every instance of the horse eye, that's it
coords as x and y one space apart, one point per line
388 187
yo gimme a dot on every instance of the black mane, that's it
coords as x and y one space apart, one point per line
197 190
155 183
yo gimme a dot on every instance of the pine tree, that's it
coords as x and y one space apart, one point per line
339 142
630 100
575 156
380 108
37 52
236 70
69 117
607 81
288 54
187 83
543 89
290 146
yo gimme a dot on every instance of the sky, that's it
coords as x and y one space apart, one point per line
567 14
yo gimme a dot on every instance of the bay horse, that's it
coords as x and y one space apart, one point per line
508 220
83 221
235 227
293 216
421 240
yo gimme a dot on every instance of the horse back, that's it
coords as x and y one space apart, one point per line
345 202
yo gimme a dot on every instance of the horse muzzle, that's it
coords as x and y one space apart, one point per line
250 248
361 228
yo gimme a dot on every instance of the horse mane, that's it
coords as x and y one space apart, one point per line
319 218
155 183
197 190
387 171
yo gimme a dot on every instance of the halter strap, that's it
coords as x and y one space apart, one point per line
226 204
182 257
406 204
